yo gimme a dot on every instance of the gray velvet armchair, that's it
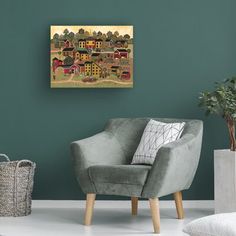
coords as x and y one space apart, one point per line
102 165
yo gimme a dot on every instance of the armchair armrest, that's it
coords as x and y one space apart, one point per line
175 166
102 148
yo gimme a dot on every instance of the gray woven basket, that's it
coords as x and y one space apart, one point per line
16 185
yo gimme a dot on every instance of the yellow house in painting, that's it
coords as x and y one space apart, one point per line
82 55
98 43
90 43
68 52
92 68
96 69
88 67
82 43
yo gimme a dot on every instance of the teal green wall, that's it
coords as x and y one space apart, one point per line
181 48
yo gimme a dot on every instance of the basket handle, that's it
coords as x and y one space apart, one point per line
24 161
5 156
16 184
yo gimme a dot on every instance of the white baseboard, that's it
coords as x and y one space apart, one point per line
207 204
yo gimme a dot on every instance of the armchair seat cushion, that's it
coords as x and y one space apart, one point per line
119 174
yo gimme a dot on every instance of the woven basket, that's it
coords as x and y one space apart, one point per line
16 185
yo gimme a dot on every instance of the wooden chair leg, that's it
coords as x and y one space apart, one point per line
155 212
90 199
134 206
179 205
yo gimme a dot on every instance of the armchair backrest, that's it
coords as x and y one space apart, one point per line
128 132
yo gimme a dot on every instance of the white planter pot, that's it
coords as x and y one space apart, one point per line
225 181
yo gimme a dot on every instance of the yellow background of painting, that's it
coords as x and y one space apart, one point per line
122 29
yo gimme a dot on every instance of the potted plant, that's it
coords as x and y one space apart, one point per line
222 101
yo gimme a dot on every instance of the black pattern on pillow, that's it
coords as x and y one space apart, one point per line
155 135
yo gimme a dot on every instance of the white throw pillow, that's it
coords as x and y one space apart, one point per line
214 225
155 135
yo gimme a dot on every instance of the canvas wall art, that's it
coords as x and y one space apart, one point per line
91 56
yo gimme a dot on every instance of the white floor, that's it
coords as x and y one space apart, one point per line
106 222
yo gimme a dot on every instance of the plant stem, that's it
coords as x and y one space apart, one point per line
231 128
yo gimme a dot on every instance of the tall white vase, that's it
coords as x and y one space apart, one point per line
225 181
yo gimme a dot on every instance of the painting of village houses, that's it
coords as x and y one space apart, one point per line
91 56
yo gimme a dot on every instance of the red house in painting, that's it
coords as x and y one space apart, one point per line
66 43
81 68
70 69
74 69
55 63
66 69
125 75
120 53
